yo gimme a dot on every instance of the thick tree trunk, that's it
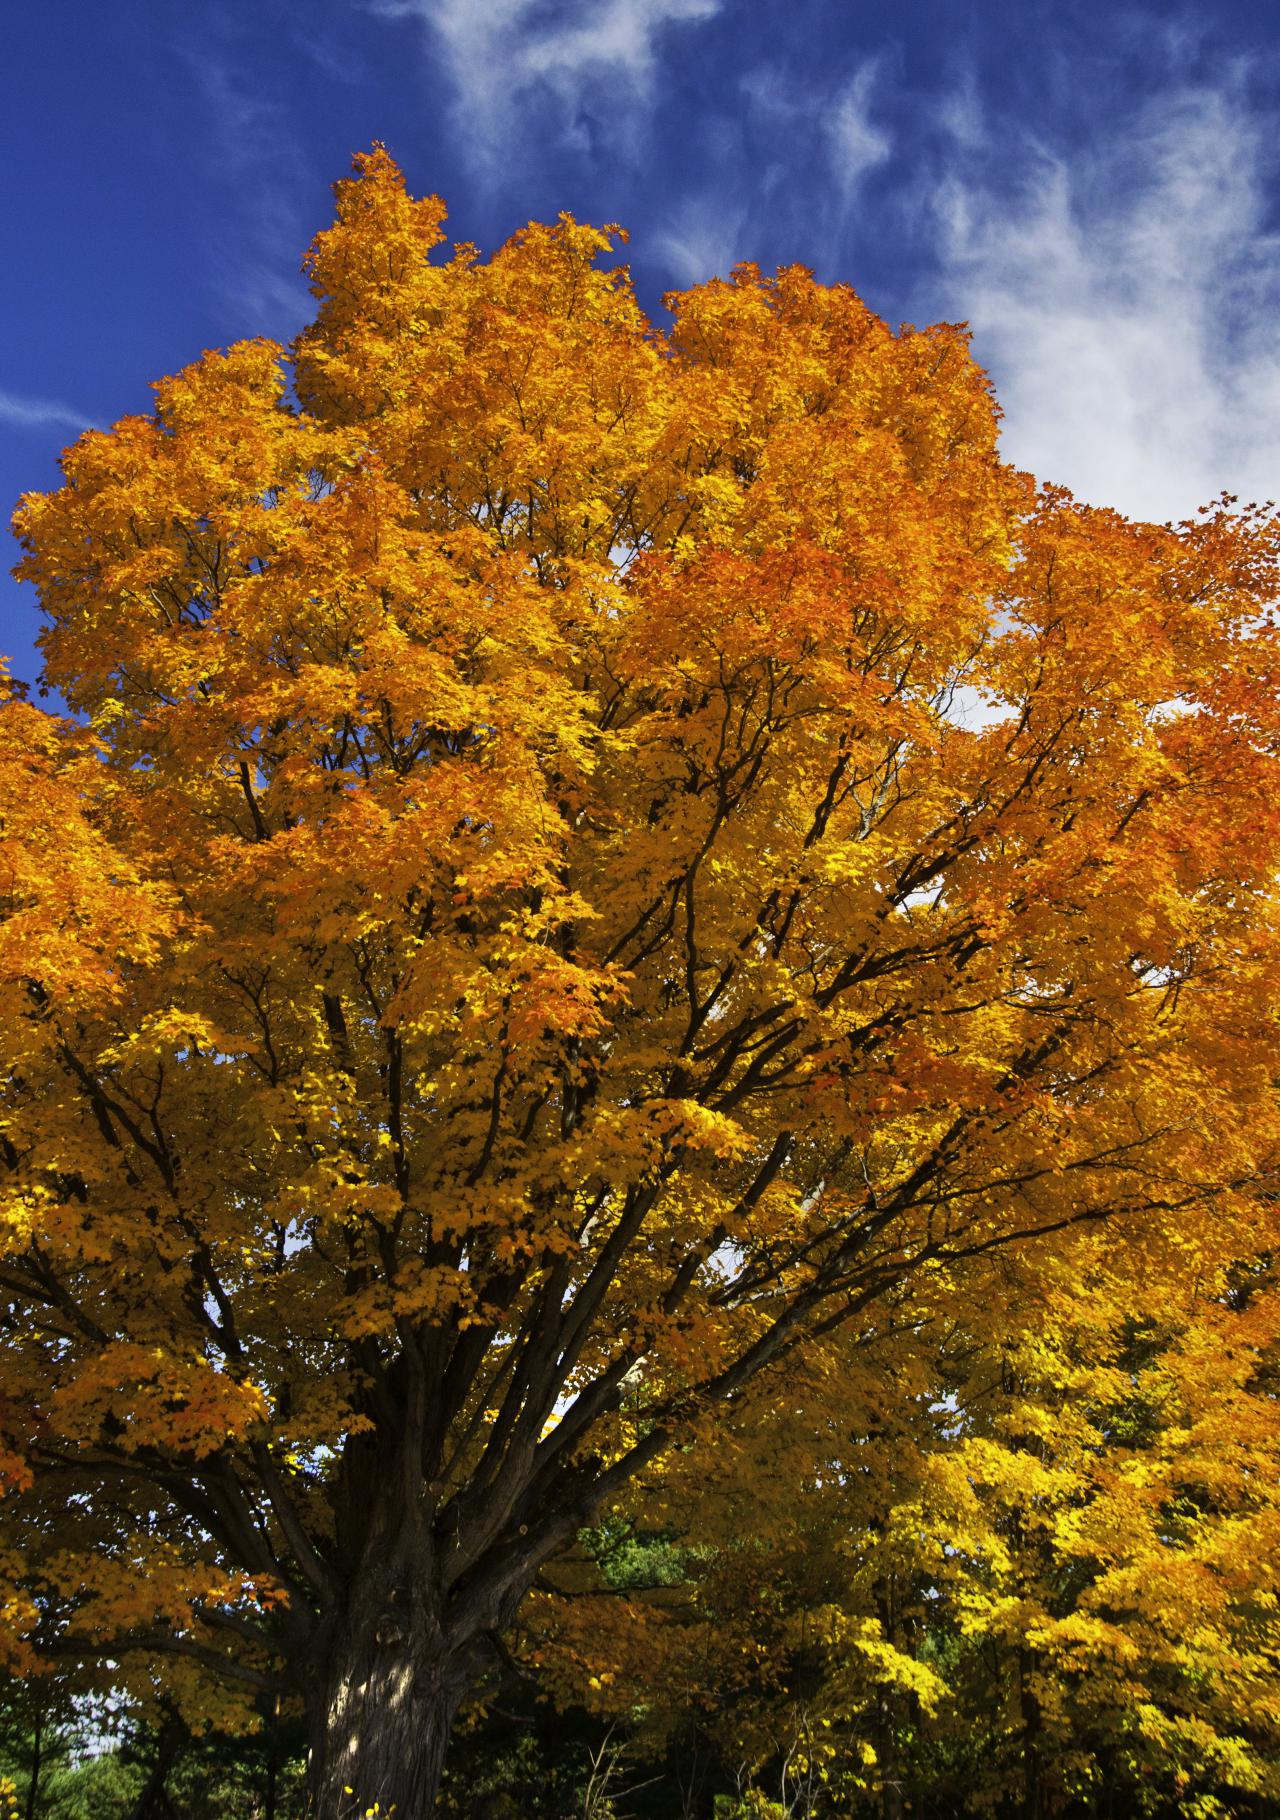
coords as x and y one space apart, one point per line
380 1726
388 1665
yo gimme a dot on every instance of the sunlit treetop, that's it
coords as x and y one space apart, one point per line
585 852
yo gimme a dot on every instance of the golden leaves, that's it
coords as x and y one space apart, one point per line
74 912
157 1399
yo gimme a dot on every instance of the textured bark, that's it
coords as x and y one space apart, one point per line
412 1622
381 1725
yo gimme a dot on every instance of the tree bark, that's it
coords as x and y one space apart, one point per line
888 1707
1032 1785
891 1802
153 1802
33 1789
381 1724
270 1782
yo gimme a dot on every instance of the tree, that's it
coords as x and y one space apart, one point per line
39 1737
1039 1581
520 931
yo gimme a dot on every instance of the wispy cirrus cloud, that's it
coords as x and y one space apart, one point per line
254 143
1127 298
828 131
789 153
21 412
586 68
702 239
856 143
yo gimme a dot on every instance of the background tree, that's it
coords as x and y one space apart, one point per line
521 934
40 1730
1040 1582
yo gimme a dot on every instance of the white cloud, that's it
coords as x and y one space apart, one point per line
592 60
40 413
252 143
960 113
836 124
703 240
246 129
855 144
1126 304
790 154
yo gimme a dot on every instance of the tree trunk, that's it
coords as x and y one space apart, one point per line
381 1726
891 1803
1032 1786
153 1802
888 1708
33 1789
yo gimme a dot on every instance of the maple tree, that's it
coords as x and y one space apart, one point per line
520 933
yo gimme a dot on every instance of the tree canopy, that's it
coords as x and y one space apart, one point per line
583 858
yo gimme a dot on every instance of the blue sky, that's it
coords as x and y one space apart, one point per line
1095 188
